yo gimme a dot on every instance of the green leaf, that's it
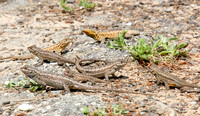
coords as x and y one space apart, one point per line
181 45
33 89
62 3
156 44
173 38
184 53
85 110
109 44
144 56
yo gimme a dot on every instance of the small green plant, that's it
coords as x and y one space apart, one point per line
87 4
114 110
162 48
62 3
117 109
24 83
170 50
85 110
118 42
141 50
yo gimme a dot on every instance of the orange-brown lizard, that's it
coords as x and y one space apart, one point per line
57 48
101 36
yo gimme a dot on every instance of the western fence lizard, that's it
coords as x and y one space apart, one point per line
82 77
57 48
168 79
49 56
106 70
101 36
62 82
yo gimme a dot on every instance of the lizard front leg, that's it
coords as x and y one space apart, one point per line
109 72
166 85
158 81
40 62
102 39
66 87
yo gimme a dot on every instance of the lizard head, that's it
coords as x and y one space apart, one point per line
29 71
90 33
63 43
33 49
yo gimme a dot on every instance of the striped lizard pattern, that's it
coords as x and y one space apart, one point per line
57 48
101 36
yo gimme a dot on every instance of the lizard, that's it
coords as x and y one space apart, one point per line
109 69
168 79
62 82
58 48
82 77
101 36
49 56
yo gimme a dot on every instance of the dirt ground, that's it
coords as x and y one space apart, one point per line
43 23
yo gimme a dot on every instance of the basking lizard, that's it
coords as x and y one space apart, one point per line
168 79
57 48
62 82
101 36
82 77
106 70
49 56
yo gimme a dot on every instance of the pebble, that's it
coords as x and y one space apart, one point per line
6 102
193 103
195 50
20 21
25 107
1 111
70 1
162 109
3 48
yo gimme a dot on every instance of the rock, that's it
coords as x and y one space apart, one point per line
195 50
20 21
162 109
25 107
193 103
6 102
1 111
70 1
104 20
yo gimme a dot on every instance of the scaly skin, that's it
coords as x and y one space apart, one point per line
57 48
60 46
108 69
62 82
101 36
49 56
81 77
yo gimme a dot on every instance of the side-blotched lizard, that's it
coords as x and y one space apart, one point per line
101 36
57 48
62 82
106 70
82 77
168 79
49 56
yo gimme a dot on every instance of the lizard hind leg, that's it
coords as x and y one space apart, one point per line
106 77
